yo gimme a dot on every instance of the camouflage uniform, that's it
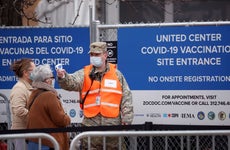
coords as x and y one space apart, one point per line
74 82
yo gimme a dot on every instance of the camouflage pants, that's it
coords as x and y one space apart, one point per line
96 143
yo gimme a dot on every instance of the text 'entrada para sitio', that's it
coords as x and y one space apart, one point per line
35 39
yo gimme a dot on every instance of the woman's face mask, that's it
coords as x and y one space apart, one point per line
53 83
96 61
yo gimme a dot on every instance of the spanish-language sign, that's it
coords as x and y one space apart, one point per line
178 74
66 46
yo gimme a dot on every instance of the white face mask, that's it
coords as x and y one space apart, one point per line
96 61
53 83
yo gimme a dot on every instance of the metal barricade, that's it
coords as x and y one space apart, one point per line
32 135
189 140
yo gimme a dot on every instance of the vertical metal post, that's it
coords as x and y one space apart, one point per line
228 142
104 143
148 127
150 142
166 142
89 142
90 22
133 143
213 142
120 142
39 143
181 142
197 143
168 13
188 142
94 31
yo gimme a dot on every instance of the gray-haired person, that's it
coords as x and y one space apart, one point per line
105 95
45 109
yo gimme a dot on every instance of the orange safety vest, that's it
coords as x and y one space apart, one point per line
104 97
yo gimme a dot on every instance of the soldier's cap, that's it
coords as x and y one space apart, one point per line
97 47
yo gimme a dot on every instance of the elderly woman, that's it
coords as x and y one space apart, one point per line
45 109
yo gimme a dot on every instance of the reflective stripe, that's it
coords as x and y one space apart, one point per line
91 92
113 91
103 103
103 90
90 105
94 91
110 104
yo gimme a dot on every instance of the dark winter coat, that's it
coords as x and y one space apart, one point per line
47 112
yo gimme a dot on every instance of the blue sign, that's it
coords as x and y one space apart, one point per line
175 58
68 46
